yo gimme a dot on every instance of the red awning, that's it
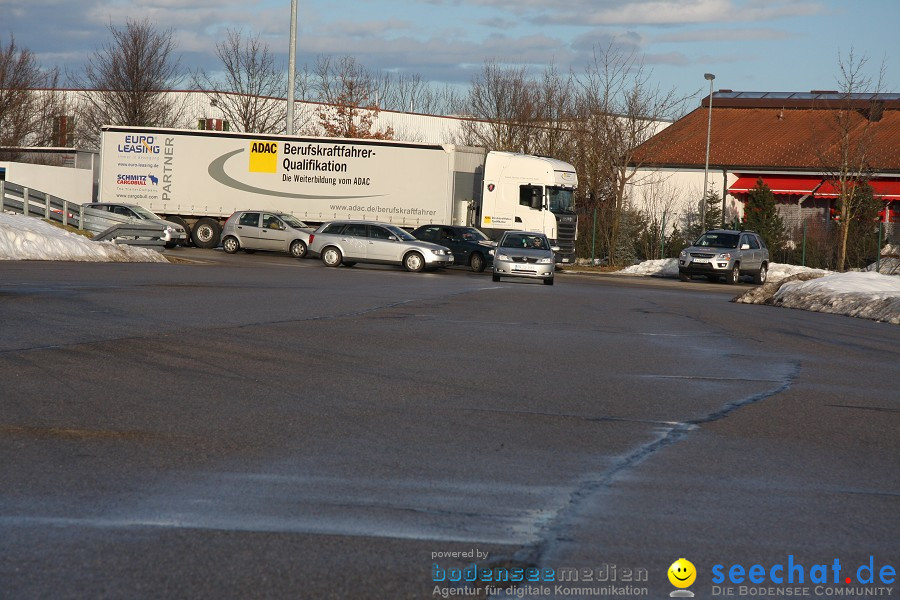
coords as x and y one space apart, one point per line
788 185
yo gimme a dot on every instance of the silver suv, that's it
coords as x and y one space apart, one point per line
349 242
725 253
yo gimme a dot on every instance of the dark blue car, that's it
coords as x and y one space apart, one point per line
470 246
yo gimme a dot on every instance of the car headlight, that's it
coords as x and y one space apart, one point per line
170 229
683 254
545 261
440 252
724 256
502 257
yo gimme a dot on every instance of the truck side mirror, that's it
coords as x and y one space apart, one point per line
537 199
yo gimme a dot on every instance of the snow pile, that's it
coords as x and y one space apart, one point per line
28 238
668 267
856 294
778 271
663 267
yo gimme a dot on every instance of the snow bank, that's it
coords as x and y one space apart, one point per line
663 267
856 294
28 238
668 267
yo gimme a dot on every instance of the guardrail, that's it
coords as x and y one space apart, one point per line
104 225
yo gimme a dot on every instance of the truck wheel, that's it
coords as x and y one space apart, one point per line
298 249
477 262
332 257
231 245
206 233
414 262
187 228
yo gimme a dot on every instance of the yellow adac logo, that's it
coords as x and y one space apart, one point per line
263 157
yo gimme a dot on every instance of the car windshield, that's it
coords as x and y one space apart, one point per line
400 233
525 240
718 240
293 221
471 234
562 200
144 213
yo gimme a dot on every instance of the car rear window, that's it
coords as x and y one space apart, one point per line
249 219
333 228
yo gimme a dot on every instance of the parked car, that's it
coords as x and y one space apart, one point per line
349 242
470 246
524 254
173 233
252 230
725 253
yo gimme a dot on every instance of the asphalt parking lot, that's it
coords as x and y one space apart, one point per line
257 426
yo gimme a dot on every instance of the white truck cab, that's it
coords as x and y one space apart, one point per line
531 193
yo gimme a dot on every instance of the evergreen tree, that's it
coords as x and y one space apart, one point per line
761 215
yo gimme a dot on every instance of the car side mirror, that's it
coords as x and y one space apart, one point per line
745 246
393 238
491 251
554 248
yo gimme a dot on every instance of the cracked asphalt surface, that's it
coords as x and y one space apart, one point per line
255 426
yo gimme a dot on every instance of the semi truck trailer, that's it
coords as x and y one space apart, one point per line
199 178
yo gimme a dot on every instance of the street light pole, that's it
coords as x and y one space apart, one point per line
292 61
709 77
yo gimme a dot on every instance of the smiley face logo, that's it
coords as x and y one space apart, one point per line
682 573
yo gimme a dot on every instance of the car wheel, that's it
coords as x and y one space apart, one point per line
684 277
495 277
414 262
206 233
298 249
477 262
548 281
231 245
332 257
187 229
761 275
734 275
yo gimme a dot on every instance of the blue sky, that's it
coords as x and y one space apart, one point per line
750 45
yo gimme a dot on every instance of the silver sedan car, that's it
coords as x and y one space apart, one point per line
349 242
524 254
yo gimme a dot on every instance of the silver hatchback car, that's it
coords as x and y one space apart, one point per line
524 254
349 242
252 230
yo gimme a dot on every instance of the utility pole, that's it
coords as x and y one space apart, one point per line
292 64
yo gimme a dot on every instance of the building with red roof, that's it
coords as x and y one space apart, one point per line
792 141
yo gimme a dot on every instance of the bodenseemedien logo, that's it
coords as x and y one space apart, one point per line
263 157
682 575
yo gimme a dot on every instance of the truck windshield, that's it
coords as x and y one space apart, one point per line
562 200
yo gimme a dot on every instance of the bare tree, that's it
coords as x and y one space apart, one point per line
847 157
349 93
28 99
252 91
502 102
619 110
126 81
